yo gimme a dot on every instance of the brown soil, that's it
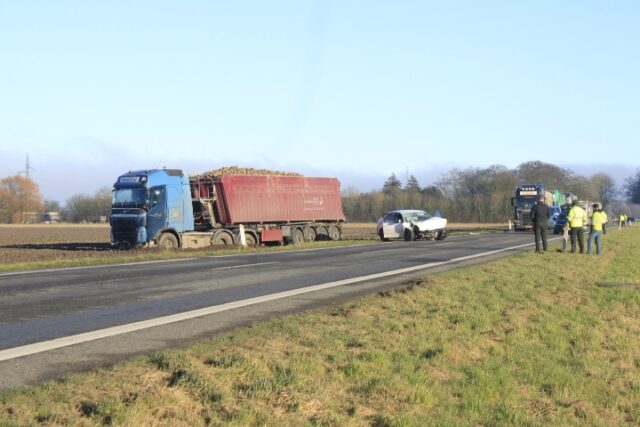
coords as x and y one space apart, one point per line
51 242
27 243
44 242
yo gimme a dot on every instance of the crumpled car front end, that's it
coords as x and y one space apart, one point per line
430 229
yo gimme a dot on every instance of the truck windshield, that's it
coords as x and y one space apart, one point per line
526 202
129 197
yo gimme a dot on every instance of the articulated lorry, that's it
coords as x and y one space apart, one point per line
165 207
526 196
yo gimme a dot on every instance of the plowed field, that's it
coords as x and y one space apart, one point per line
44 242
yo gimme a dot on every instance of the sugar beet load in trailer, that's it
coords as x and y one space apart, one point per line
167 208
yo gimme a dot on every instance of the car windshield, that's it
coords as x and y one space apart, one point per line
129 197
416 216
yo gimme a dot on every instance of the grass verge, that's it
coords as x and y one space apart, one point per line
155 254
533 339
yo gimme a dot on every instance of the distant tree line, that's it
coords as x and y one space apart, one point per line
462 195
21 202
477 194
84 208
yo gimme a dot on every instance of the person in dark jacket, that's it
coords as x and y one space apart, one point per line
540 217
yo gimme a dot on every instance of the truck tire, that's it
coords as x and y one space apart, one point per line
409 235
223 238
335 233
297 236
322 233
251 239
309 233
168 241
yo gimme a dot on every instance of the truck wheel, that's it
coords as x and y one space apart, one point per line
335 233
322 233
309 234
251 239
168 241
298 236
408 235
223 238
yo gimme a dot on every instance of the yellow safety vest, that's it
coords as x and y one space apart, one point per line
577 217
597 219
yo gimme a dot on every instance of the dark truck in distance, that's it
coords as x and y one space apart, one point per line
526 196
165 207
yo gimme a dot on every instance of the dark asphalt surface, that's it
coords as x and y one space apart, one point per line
40 306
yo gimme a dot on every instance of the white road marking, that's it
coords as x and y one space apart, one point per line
92 267
43 346
233 267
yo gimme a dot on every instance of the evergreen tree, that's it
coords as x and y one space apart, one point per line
412 184
632 188
392 184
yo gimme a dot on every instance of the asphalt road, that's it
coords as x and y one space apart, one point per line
58 321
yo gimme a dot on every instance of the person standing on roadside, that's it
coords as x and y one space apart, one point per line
577 219
598 228
540 217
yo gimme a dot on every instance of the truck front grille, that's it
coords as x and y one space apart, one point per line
123 229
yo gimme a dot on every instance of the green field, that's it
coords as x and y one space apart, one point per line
549 339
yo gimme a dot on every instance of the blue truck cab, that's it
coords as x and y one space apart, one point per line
150 205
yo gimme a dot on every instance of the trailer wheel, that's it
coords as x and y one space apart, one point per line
298 236
322 233
309 233
223 238
335 233
168 241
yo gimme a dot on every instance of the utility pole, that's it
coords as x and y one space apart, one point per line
27 169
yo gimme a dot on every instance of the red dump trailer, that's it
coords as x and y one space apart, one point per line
270 208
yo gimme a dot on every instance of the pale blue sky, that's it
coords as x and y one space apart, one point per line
353 89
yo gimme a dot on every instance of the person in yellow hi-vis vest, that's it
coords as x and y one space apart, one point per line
598 228
577 219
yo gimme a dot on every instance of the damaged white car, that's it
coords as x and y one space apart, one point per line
411 224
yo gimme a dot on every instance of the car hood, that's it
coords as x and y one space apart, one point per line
433 223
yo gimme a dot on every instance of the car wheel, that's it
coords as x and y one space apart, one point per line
409 235
381 234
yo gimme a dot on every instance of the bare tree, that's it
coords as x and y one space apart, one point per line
551 176
605 187
20 200
83 208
